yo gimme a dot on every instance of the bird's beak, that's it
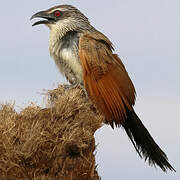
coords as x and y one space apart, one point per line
43 14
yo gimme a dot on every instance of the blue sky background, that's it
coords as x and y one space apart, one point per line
146 35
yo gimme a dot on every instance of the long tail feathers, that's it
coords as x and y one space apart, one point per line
144 143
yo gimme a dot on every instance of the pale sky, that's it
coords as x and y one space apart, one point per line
145 34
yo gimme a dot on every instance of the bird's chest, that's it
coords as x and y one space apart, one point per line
65 53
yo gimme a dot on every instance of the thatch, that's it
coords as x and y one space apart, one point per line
50 143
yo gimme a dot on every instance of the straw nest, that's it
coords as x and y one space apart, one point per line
56 142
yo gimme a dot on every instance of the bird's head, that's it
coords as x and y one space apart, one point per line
64 17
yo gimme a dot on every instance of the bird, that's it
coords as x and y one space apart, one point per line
86 57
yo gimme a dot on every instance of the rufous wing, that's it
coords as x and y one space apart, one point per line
105 77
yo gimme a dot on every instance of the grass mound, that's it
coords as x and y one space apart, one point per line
50 143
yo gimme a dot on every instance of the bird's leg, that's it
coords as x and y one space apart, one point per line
68 86
72 86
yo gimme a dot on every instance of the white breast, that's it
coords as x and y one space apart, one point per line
71 60
67 61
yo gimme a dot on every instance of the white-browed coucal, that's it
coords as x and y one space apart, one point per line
85 57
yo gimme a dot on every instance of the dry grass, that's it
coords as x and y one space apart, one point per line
56 142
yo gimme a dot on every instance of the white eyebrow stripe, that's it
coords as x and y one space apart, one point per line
60 9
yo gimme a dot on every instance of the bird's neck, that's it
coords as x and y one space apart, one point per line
60 29
57 32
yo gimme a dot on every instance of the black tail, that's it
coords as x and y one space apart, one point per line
144 143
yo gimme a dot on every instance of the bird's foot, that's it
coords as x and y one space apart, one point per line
77 85
72 86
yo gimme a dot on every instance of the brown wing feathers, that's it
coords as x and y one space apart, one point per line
108 84
105 77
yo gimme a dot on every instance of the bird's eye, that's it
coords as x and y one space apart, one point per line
57 13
